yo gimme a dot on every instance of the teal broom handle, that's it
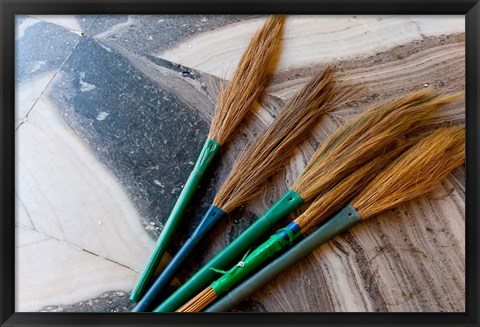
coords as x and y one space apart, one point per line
205 159
284 206
339 223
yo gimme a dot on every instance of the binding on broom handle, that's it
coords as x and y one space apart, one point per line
284 206
342 221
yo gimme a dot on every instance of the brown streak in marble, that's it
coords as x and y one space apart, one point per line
437 61
416 53
404 247
371 286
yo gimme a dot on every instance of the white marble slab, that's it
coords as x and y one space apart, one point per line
28 93
64 275
310 40
69 22
70 196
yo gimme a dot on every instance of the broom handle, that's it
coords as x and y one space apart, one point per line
285 205
205 159
343 220
276 243
208 221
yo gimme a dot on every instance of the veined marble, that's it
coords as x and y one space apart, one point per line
310 40
111 112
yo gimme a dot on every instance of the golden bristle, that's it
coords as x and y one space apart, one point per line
325 205
364 138
200 301
268 153
415 172
248 81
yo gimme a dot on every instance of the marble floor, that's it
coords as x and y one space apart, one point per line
111 112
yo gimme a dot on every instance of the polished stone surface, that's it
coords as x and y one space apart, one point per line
111 112
40 47
132 124
147 34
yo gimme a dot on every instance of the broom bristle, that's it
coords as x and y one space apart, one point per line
200 301
415 172
366 137
325 205
248 81
268 153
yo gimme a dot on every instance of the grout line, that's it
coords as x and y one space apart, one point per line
107 259
25 208
25 119
49 236
121 264
76 247
93 21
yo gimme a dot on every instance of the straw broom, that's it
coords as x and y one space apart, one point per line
287 235
261 160
426 165
246 85
367 136
416 171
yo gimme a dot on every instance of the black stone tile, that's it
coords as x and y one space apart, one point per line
104 24
40 47
145 134
116 301
147 34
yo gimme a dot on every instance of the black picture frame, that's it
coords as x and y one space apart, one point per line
10 8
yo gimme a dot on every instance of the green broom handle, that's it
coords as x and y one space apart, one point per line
284 206
205 159
342 221
276 243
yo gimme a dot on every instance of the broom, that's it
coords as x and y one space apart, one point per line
353 145
248 81
434 157
413 173
265 157
285 236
